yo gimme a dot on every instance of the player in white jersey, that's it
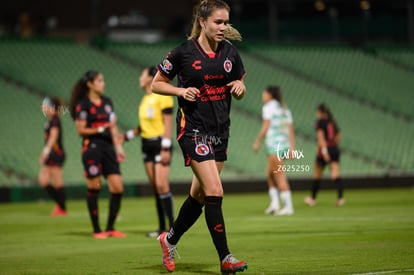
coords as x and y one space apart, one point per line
278 132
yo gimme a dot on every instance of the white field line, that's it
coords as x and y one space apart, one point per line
385 272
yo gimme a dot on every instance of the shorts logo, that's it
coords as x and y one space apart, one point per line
166 66
227 65
93 170
202 149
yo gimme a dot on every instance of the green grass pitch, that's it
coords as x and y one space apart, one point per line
372 234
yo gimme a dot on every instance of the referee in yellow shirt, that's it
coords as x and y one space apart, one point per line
155 126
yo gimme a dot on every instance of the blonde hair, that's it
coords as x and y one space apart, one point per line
204 10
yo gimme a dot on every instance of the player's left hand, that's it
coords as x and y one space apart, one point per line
165 157
237 88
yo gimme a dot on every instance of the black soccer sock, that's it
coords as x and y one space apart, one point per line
167 205
61 197
340 187
215 223
189 213
114 206
51 191
92 201
160 213
315 188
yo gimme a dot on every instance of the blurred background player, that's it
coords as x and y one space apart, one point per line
102 150
277 128
155 126
328 137
210 72
52 157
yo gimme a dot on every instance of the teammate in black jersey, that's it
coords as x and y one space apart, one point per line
328 136
52 157
209 72
101 151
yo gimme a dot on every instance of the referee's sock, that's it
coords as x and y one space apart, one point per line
339 187
160 212
189 213
114 206
167 206
92 201
215 223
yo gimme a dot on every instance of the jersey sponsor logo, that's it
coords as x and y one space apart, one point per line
197 65
227 65
202 149
211 76
212 93
166 66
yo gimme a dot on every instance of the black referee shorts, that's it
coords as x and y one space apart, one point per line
202 148
151 149
99 158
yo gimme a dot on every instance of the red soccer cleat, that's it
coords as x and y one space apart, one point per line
115 234
231 265
57 211
168 260
100 235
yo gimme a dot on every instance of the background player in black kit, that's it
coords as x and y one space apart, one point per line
210 72
328 137
102 150
52 157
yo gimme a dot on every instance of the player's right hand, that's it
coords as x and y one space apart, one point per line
190 93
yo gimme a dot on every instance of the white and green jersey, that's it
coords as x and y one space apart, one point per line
277 136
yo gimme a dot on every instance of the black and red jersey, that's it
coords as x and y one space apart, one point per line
55 122
330 131
209 114
96 116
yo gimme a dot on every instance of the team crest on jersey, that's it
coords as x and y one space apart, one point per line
227 65
202 149
166 66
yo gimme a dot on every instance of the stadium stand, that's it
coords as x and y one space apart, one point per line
349 71
403 56
375 143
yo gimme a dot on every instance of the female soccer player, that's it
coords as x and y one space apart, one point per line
328 137
53 156
155 126
210 72
102 151
277 127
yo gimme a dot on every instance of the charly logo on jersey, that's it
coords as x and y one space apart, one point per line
197 64
227 65
202 149
166 66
